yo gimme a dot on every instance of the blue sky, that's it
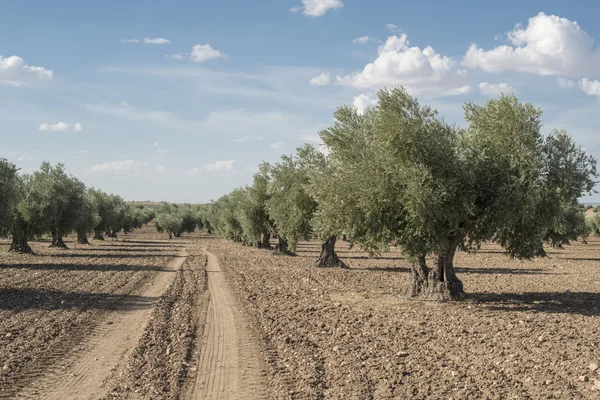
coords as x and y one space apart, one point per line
181 100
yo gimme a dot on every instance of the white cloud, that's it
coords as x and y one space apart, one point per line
565 83
420 71
77 127
317 8
495 89
393 28
118 166
277 145
160 169
21 158
177 56
364 100
124 103
205 52
260 138
82 152
589 87
163 151
129 40
217 166
361 40
159 40
320 80
57 127
549 45
241 140
14 72
155 144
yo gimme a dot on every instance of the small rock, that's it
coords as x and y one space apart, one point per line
8 334
5 367
583 378
527 380
402 354
541 339
593 366
548 382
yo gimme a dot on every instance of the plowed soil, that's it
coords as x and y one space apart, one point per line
529 330
199 317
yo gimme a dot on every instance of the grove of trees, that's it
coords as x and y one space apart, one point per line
399 174
51 202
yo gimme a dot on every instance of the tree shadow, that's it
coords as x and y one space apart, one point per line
123 249
156 242
579 259
85 267
135 246
380 269
27 298
398 258
91 255
502 271
584 303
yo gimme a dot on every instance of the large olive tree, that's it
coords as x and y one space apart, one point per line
9 194
401 174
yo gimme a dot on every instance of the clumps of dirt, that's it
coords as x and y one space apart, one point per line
527 330
160 363
50 302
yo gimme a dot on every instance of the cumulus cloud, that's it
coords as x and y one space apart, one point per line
217 166
317 8
118 166
420 71
77 127
589 87
362 101
124 103
160 169
548 45
57 127
277 145
129 40
14 72
495 89
205 52
159 40
320 80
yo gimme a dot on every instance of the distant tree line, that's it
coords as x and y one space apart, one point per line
52 202
398 174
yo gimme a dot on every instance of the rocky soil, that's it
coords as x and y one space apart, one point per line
528 330
49 302
162 362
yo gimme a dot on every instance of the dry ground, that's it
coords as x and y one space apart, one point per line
528 330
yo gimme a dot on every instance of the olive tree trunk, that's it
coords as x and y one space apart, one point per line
57 241
441 282
328 257
20 245
266 241
282 247
98 234
82 238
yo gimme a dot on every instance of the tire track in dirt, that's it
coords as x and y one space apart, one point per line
228 365
81 375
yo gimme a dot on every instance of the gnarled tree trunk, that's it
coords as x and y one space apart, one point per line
20 245
328 257
266 241
441 282
57 241
98 234
82 238
281 247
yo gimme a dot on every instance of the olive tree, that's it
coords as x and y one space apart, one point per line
401 174
252 210
290 203
169 223
9 192
88 218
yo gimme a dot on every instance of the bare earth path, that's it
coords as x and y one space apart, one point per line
229 363
80 375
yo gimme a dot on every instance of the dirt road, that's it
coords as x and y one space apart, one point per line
228 363
80 375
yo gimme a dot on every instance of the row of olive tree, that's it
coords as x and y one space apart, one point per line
175 219
400 174
50 201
